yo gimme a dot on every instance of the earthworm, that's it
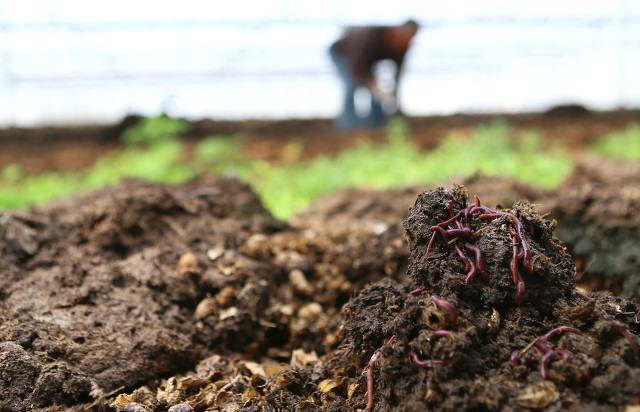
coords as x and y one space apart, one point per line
462 230
453 312
559 329
517 279
418 291
480 266
470 267
549 353
426 362
370 377
433 237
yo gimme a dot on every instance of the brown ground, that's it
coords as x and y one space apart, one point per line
192 297
79 147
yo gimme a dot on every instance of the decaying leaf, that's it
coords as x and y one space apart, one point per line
299 283
328 384
215 252
537 395
299 358
228 401
188 263
121 401
207 306
255 368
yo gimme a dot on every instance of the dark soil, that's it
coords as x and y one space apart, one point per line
597 211
192 297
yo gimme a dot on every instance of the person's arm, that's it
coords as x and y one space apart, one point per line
396 85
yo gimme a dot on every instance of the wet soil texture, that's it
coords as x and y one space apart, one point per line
146 297
597 210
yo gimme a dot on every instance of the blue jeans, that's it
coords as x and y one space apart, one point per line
349 119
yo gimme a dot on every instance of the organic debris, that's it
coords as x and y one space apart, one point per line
192 297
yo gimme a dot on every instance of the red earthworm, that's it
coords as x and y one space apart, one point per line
491 215
370 377
463 233
448 306
454 228
519 229
582 296
426 362
544 363
526 260
442 231
548 353
479 260
559 329
517 279
470 268
451 219
515 357
513 233
433 237
541 346
418 291
441 333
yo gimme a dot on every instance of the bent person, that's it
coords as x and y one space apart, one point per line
356 55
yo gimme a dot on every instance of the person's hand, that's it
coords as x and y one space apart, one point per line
382 95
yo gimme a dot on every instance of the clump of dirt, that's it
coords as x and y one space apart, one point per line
450 346
93 300
598 220
486 247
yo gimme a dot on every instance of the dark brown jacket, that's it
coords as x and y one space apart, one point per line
363 47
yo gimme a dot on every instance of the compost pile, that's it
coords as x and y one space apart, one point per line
147 297
598 219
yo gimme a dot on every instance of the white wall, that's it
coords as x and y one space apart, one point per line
93 62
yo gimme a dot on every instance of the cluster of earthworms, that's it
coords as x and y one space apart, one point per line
457 232
453 316
547 353
458 235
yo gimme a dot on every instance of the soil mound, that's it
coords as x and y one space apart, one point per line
92 298
192 297
597 213
453 341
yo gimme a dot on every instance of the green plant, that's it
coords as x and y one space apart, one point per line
154 130
490 150
624 144
291 186
11 174
218 154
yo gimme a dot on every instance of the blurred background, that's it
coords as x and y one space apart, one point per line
77 62
91 93
543 96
